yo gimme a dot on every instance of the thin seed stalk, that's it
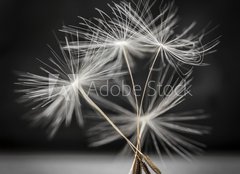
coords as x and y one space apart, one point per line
136 101
148 78
95 106
139 113
131 77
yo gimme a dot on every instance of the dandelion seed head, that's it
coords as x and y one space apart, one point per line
157 124
54 96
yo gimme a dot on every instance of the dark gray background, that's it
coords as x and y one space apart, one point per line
28 26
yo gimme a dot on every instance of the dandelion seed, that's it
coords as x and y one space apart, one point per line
112 35
156 123
56 95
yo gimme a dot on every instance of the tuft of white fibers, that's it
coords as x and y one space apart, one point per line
132 28
108 36
54 96
157 125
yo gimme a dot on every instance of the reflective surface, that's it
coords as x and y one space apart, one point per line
102 164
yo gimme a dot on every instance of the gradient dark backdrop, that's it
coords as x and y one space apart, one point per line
28 26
